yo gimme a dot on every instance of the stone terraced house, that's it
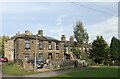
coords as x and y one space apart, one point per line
26 45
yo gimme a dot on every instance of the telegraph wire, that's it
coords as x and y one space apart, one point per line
92 9
100 6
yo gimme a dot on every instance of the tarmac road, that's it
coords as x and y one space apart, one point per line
43 74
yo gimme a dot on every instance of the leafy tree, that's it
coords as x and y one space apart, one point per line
115 49
81 36
80 33
2 40
76 52
100 51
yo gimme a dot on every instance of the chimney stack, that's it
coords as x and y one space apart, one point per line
71 38
63 38
18 33
27 32
40 32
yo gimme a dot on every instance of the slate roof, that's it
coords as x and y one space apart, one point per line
42 38
68 43
76 44
50 38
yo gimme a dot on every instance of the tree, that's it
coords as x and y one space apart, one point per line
80 33
115 49
100 51
81 36
76 52
2 40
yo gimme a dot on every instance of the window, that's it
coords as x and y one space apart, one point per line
50 46
40 45
67 56
27 44
49 55
83 49
27 55
57 56
40 56
71 49
57 46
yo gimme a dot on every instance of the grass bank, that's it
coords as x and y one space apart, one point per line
93 72
15 70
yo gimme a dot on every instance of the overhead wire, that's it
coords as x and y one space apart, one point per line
99 5
81 5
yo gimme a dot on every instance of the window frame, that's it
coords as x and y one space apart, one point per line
50 44
27 44
40 45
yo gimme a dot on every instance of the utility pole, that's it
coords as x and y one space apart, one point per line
10 49
35 56
55 55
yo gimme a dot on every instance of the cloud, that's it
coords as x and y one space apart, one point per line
60 19
107 28
56 30
61 30
103 18
33 18
28 8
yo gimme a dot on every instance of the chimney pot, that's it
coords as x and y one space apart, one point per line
71 38
18 33
27 32
40 32
63 38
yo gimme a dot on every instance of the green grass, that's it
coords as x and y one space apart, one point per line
15 70
92 72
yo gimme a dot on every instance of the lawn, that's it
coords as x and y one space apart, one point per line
92 72
14 69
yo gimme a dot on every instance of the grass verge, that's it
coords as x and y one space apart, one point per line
15 70
93 72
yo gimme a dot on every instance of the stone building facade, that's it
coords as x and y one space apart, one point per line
26 45
9 49
68 48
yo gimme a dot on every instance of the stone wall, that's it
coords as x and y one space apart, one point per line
9 49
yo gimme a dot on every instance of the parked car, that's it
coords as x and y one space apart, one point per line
83 63
39 63
3 59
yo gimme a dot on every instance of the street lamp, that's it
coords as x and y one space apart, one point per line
55 54
35 55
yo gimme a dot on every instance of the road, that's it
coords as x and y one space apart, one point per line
49 74
44 74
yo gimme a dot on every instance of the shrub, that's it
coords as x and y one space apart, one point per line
10 63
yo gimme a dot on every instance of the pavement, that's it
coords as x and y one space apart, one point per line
43 74
48 74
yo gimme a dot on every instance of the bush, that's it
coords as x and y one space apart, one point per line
67 63
91 62
10 63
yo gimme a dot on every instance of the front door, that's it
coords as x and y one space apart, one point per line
50 56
